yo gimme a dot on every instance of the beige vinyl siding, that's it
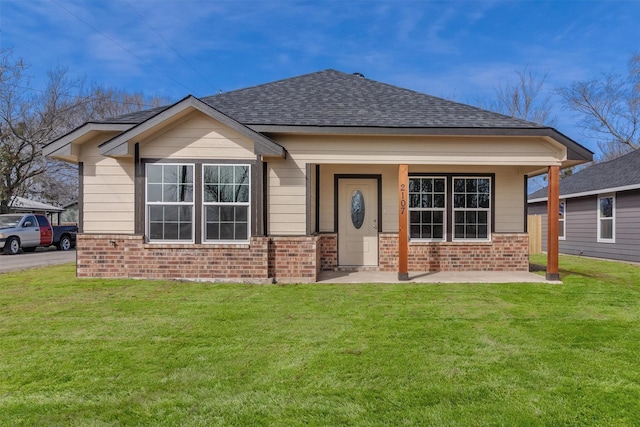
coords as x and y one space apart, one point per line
287 198
108 192
510 201
391 149
197 137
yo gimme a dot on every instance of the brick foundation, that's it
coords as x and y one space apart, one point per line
116 255
328 251
294 259
505 252
284 259
263 260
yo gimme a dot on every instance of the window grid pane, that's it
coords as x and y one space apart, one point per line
226 184
226 202
169 194
471 208
427 204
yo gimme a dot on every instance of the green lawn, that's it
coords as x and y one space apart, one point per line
132 352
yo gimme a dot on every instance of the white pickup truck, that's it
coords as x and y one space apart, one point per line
28 231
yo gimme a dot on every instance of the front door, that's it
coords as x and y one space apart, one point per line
358 222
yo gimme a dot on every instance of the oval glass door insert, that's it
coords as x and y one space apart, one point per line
357 209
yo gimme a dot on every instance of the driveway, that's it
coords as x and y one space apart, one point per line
40 258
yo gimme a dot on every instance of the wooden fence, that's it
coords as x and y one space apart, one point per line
534 227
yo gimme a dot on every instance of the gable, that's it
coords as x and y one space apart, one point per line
122 145
197 136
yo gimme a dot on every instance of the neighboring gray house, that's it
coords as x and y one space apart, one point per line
599 210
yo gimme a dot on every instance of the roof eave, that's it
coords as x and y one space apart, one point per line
60 148
575 151
590 192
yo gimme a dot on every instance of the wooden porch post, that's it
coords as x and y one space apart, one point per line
403 222
553 209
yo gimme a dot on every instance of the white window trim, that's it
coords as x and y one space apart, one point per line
453 209
612 196
205 204
563 220
147 204
443 210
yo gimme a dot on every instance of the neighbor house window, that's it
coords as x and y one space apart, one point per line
471 208
562 215
606 219
170 204
226 199
427 208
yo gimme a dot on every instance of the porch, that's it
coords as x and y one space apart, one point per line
386 235
368 276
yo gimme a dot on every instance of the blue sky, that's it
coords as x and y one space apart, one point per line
455 49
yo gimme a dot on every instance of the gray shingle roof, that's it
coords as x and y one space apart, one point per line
333 98
136 117
620 172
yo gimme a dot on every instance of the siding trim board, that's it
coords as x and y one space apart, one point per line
307 190
317 225
139 192
81 197
525 213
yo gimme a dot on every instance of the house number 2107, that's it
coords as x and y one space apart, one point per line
403 198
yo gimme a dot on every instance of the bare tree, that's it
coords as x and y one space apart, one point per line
524 98
30 118
609 107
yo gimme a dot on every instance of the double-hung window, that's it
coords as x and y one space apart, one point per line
427 208
450 208
471 208
226 200
606 219
198 202
562 215
170 203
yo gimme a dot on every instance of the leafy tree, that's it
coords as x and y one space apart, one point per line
609 107
30 118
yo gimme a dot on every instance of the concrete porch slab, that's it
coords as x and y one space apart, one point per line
437 277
